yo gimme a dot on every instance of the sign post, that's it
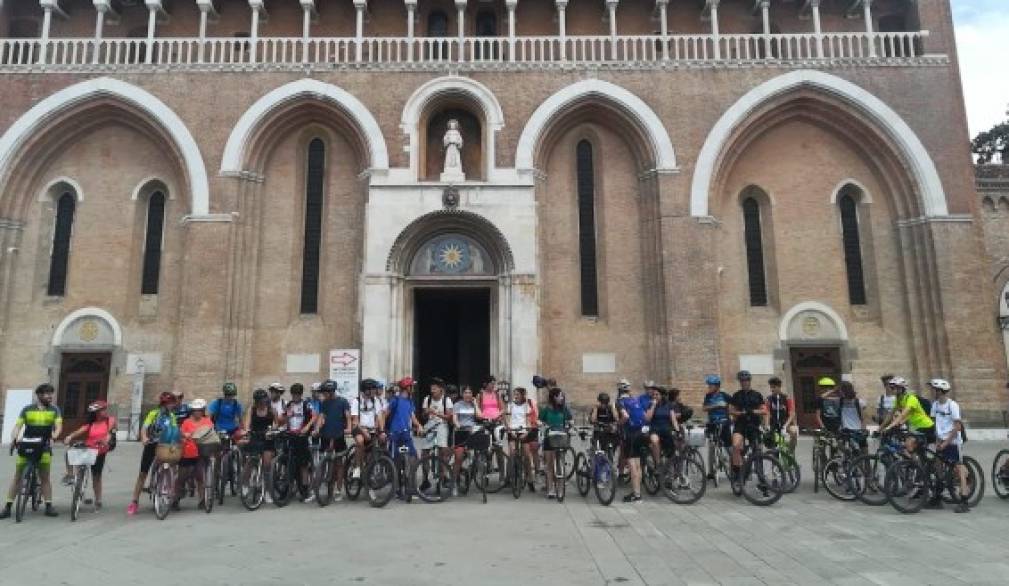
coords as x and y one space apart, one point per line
136 400
345 369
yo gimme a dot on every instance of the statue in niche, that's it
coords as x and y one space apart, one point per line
453 153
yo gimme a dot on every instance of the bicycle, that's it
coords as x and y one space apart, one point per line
789 463
475 464
80 458
431 473
600 475
923 476
352 473
29 485
163 476
761 479
517 475
867 473
682 474
836 473
1000 474
824 450
286 472
324 471
379 476
252 489
559 441
228 471
719 453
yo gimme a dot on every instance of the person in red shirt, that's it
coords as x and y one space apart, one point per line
195 425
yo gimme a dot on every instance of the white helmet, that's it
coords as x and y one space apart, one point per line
898 381
316 387
197 404
624 384
939 384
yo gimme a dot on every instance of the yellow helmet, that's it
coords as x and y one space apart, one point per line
826 382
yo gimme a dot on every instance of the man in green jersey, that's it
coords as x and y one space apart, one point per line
43 420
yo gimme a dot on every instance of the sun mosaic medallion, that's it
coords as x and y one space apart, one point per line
452 255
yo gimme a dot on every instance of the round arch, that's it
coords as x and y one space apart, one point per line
36 119
910 148
644 119
430 225
59 335
236 151
813 307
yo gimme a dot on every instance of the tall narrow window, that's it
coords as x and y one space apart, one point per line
60 259
313 226
754 252
852 250
587 228
152 244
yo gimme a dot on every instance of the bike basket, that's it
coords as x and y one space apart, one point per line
30 447
82 456
208 450
168 453
206 435
696 437
558 440
479 441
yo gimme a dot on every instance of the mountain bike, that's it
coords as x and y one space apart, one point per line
824 449
252 487
432 472
228 472
682 474
1000 474
836 473
323 472
762 479
80 458
594 467
29 484
719 452
475 463
789 463
867 473
163 475
379 476
287 470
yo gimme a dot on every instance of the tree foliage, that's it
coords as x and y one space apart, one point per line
992 145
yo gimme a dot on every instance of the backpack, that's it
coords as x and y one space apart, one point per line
926 405
423 417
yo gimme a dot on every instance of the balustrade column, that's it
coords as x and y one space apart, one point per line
664 27
562 29
256 6
611 8
765 15
47 21
307 10
817 28
867 13
713 14
460 11
411 14
102 8
153 7
511 5
359 6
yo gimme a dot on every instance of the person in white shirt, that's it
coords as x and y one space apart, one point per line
886 401
438 408
522 416
948 425
366 415
277 397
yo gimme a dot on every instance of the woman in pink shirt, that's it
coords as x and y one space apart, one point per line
490 401
97 434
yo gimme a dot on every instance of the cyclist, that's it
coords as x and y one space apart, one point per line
331 424
828 405
160 420
632 415
438 408
781 411
366 414
948 427
226 411
748 410
401 419
300 418
490 401
604 416
182 409
851 413
257 421
43 420
556 416
465 412
716 405
521 414
97 434
191 464
884 405
277 396
316 400
907 409
662 421
623 390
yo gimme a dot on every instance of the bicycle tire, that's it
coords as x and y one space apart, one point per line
836 478
163 492
497 470
431 468
324 482
817 469
684 481
22 497
380 478
78 493
209 488
604 480
975 482
907 486
280 485
351 483
36 491
1000 474
518 471
583 475
235 474
868 476
650 476
762 471
252 490
569 462
561 477
480 465
220 482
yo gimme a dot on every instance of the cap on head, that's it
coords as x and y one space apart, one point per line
826 382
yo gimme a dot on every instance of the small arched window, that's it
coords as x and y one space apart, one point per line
852 249
437 24
754 240
314 180
586 186
151 274
60 259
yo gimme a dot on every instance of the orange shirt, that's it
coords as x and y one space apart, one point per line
190 425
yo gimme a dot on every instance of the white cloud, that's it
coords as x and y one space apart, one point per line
982 34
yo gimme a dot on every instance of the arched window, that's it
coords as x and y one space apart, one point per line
151 274
587 228
60 259
314 180
437 24
754 239
852 249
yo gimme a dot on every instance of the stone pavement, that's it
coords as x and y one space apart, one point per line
806 538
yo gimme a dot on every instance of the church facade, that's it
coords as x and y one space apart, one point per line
584 189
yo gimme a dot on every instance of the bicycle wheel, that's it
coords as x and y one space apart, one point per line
480 474
604 479
817 469
430 477
793 472
518 472
907 486
1000 474
975 483
164 490
324 482
868 475
583 475
251 489
763 479
220 480
235 471
684 481
209 484
569 462
282 485
78 493
24 489
379 479
352 474
836 480
561 476
36 491
497 470
650 475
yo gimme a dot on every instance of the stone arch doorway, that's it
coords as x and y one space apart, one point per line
86 346
814 341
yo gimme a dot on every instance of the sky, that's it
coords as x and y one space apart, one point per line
982 36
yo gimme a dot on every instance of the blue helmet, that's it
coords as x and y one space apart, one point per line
713 379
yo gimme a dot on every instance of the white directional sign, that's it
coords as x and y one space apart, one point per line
345 369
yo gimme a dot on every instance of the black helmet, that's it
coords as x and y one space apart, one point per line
229 389
329 386
45 389
774 381
744 375
368 384
539 382
260 395
603 398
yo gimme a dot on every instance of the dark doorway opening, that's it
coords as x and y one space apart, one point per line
84 379
451 336
808 366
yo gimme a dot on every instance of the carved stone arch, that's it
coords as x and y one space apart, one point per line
436 223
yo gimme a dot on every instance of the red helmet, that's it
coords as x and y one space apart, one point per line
97 406
166 398
405 383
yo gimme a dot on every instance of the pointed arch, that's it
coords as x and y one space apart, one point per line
238 150
40 117
910 149
657 145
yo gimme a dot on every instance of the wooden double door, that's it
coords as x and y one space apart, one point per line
808 366
84 379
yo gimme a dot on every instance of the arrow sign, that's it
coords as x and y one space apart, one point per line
345 369
344 359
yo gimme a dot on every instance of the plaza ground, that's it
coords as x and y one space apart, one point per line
806 538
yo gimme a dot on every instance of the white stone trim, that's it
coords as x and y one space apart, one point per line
117 332
44 193
146 181
567 97
914 154
238 141
866 195
493 115
811 306
35 120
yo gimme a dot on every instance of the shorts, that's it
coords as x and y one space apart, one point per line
332 444
191 467
441 436
635 444
665 438
950 454
606 441
299 448
98 466
401 438
749 432
461 437
147 458
722 431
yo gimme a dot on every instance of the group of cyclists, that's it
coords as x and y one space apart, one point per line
643 428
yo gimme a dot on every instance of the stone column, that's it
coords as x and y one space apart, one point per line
153 7
102 9
562 29
511 5
867 14
47 21
359 7
713 14
611 11
307 10
664 26
765 15
10 243
460 12
206 9
257 7
817 28
411 16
